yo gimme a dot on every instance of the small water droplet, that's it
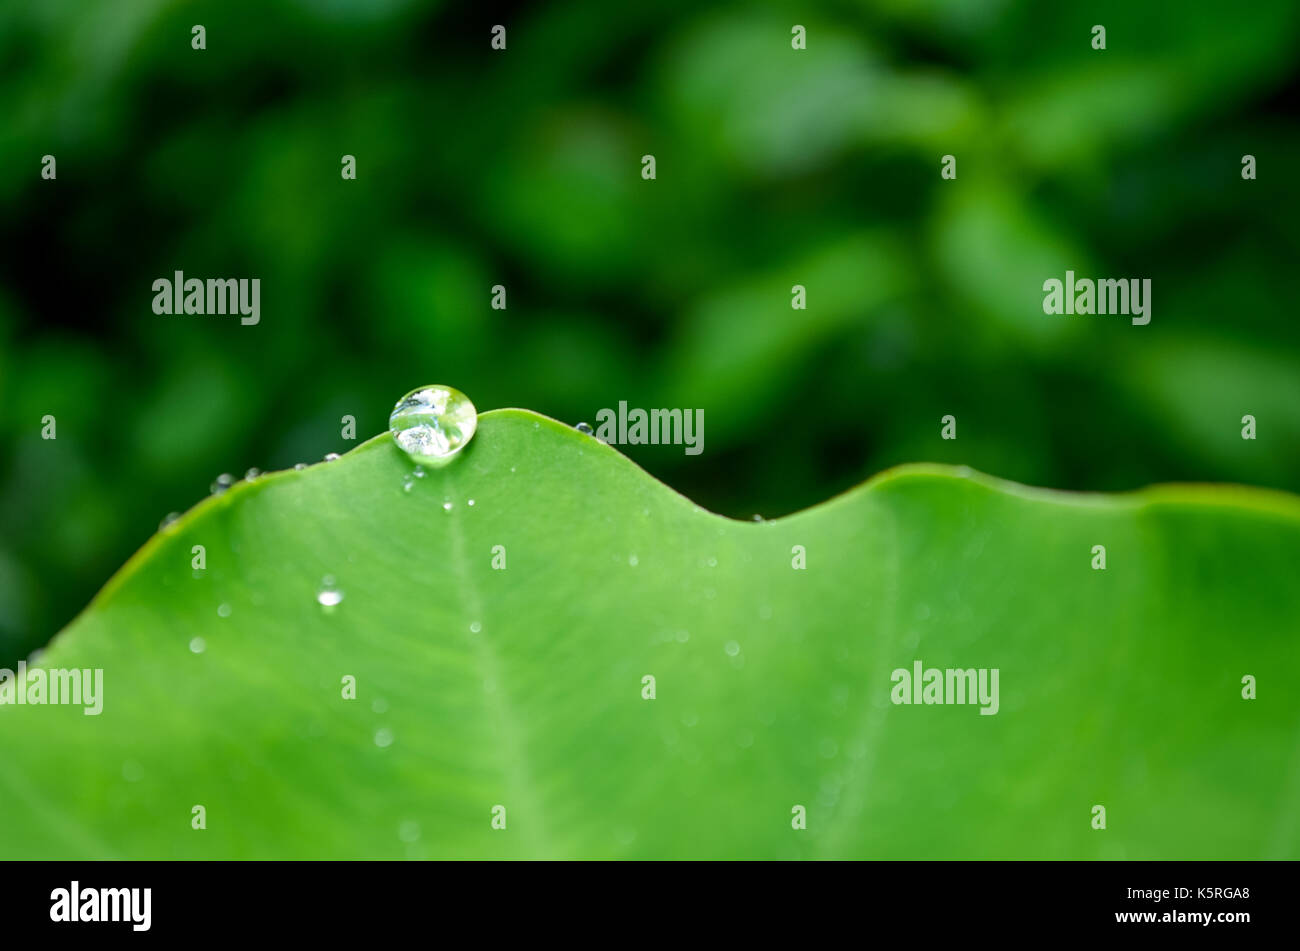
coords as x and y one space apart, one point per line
712 562
584 428
223 610
631 560
331 456
418 472
198 645
475 627
222 482
683 637
446 506
379 705
300 466
383 737
408 484
756 517
167 521
470 502
433 423
252 474
329 596
732 648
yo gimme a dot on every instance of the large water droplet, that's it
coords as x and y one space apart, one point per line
167 521
433 423
222 482
252 474
331 456
584 428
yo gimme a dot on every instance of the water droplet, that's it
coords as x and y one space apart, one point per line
222 482
631 560
756 517
252 474
198 645
712 562
329 595
408 484
223 610
300 466
584 428
383 737
732 648
331 456
683 637
446 506
167 521
475 627
418 472
470 502
379 705
433 423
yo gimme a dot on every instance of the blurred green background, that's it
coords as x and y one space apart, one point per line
522 168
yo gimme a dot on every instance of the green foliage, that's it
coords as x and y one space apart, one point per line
522 685
775 167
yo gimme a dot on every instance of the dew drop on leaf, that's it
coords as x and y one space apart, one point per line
329 596
433 423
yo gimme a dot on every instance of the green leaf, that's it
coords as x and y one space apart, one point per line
522 687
